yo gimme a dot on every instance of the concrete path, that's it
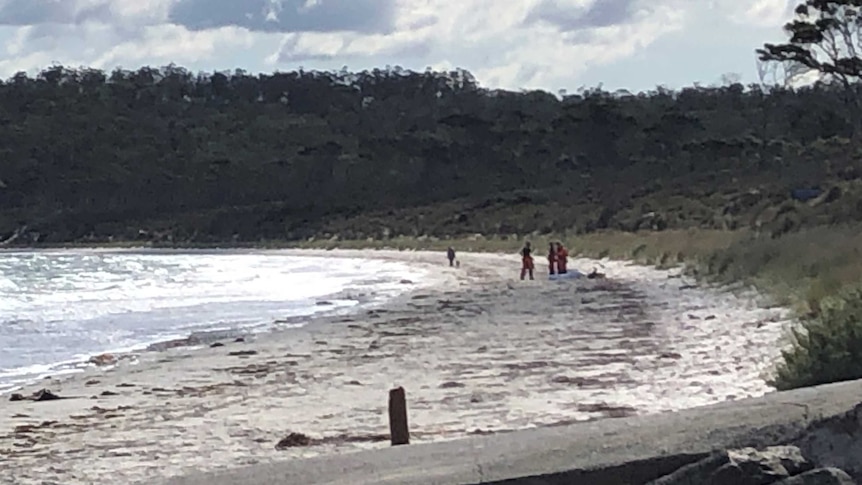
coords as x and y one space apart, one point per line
594 451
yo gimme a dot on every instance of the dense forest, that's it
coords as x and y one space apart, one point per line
88 155
168 155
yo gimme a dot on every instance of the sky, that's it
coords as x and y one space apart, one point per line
506 44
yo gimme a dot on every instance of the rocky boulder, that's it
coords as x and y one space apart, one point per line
820 476
746 466
835 441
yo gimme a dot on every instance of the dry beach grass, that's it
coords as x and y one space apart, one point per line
477 350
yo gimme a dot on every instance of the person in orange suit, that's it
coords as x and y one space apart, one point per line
527 261
552 258
562 258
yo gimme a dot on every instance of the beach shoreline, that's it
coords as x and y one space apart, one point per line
353 297
476 350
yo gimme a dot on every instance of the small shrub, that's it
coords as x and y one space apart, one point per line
664 261
827 347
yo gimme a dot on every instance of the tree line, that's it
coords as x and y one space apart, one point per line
88 154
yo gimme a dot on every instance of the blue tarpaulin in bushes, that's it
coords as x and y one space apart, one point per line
805 194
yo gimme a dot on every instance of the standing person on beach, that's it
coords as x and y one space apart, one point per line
450 253
527 260
552 258
562 258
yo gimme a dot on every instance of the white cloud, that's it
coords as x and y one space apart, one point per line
140 11
171 43
757 13
502 46
547 44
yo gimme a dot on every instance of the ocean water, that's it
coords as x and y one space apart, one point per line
58 308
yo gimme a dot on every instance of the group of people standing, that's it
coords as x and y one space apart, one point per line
558 257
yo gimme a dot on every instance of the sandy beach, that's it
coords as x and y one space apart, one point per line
477 350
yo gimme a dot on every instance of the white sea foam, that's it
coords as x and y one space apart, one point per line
58 307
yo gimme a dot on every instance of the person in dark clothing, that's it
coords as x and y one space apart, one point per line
450 253
527 261
552 258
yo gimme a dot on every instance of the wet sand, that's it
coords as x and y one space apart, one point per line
477 351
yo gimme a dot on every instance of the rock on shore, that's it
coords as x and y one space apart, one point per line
827 452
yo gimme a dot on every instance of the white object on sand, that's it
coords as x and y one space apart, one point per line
570 275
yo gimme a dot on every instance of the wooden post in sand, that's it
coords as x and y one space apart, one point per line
399 433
